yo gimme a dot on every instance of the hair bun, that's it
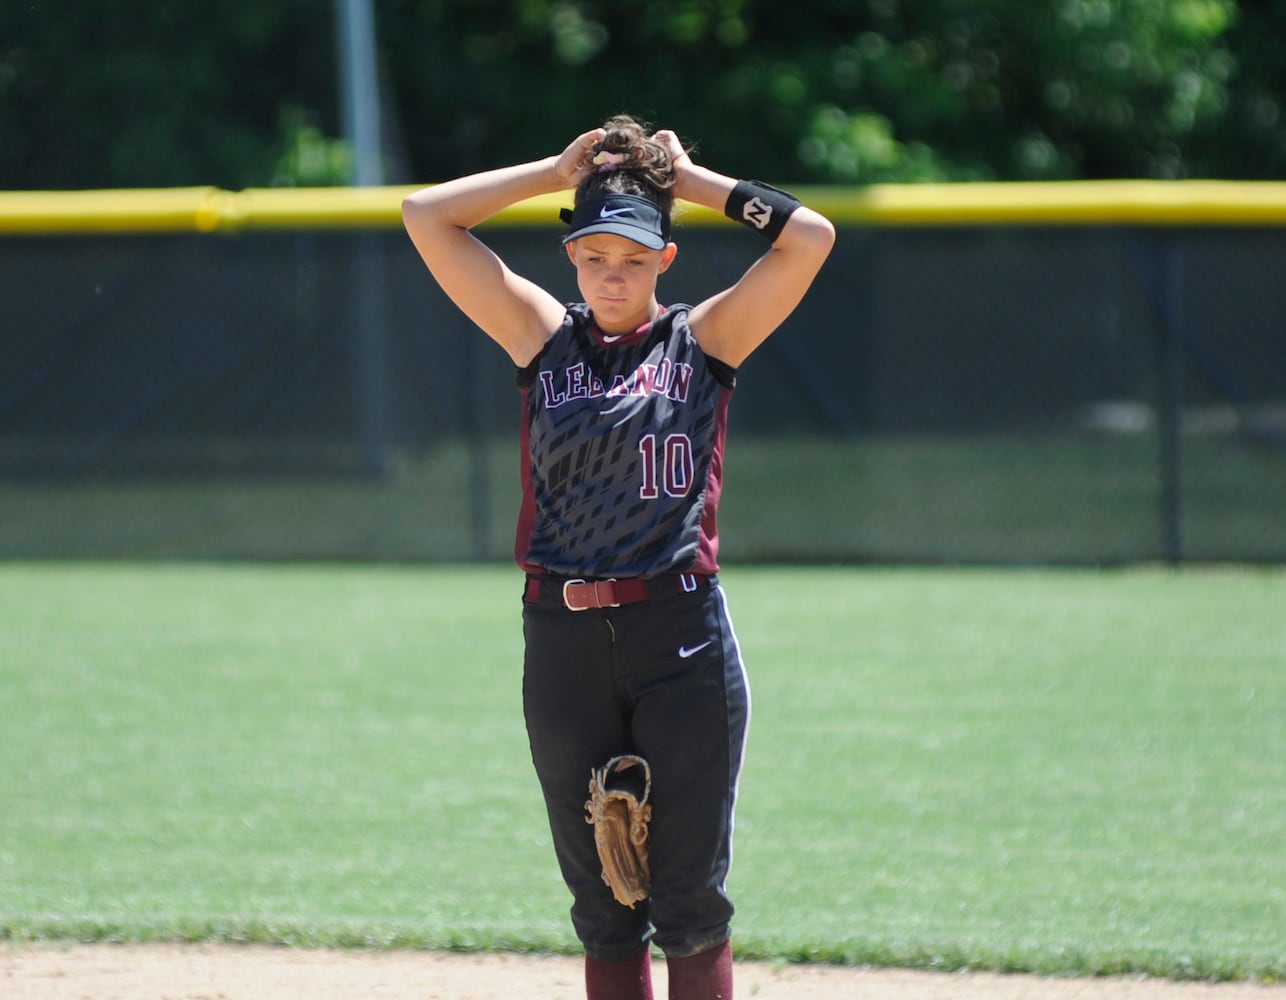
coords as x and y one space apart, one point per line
628 160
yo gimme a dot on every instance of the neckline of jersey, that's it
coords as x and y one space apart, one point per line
623 339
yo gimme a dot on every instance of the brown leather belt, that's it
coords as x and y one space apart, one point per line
574 594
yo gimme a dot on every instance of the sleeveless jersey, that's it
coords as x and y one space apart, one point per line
622 451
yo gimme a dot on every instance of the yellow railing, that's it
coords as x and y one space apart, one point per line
1070 203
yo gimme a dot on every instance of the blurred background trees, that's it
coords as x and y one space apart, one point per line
244 92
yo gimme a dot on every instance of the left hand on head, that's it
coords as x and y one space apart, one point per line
679 158
674 147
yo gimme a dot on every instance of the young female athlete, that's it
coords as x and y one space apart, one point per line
629 646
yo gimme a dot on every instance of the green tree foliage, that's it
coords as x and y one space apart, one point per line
160 92
1013 89
244 92
1248 138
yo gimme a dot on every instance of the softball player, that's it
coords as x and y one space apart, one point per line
629 648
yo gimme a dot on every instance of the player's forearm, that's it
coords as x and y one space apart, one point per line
467 201
805 231
703 186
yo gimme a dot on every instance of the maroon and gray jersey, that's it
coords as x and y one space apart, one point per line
622 451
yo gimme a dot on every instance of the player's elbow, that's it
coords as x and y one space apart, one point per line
809 237
816 231
414 208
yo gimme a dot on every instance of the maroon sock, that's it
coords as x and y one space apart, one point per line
623 979
704 976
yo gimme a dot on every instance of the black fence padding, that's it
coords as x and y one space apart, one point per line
1008 395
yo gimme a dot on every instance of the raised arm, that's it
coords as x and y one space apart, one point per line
732 323
516 313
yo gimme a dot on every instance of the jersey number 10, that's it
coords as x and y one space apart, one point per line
676 470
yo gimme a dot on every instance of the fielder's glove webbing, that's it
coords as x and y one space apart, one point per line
619 812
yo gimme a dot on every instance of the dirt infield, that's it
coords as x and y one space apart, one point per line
210 972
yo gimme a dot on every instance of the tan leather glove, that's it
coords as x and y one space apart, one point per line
619 812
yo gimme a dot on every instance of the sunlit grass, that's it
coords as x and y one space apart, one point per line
1063 772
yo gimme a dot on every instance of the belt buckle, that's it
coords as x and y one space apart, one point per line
567 603
585 607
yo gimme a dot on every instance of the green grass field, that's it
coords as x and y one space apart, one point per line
1066 772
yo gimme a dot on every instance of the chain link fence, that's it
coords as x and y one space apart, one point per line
974 393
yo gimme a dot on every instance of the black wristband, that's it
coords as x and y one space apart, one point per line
760 206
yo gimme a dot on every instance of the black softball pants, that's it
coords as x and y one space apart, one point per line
662 679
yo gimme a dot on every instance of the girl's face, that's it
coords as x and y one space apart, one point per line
617 278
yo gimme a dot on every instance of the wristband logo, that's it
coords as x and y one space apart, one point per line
757 213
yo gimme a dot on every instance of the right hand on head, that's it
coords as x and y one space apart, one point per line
575 162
